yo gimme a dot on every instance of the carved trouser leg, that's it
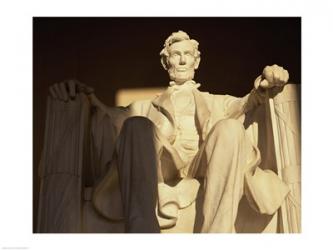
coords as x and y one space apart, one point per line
138 164
221 162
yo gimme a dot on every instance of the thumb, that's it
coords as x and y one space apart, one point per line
261 82
84 88
265 84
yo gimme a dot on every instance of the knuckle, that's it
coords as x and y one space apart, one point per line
267 67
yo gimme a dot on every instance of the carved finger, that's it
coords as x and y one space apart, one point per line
282 77
276 69
268 73
276 78
89 90
63 91
278 72
79 86
52 92
286 75
267 69
84 88
58 91
71 88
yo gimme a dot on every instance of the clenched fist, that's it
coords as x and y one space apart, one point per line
69 89
272 76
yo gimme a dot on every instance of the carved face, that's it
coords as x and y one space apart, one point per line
182 62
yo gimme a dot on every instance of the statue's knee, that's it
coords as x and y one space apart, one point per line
229 129
138 123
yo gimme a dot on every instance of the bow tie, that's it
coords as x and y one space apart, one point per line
187 85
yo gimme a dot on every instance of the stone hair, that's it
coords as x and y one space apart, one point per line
173 38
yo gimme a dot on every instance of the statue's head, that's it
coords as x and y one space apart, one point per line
180 57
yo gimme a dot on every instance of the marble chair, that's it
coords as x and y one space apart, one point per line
70 200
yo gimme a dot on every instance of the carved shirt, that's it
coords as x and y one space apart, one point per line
187 135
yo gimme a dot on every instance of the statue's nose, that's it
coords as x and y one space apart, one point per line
182 60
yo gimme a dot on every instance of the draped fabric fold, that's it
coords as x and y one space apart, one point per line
64 158
171 199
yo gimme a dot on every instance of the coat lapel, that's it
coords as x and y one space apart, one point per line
202 113
163 104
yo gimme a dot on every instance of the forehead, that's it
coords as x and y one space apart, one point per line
185 45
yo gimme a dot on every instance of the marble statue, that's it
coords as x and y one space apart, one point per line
184 161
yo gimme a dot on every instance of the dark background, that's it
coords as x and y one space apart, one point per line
113 53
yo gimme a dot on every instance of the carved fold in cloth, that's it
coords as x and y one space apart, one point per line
171 199
285 116
64 159
265 191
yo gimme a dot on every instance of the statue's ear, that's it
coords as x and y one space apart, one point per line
164 63
197 62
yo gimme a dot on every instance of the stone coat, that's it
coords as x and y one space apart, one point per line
209 110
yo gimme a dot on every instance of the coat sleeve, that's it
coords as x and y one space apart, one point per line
235 107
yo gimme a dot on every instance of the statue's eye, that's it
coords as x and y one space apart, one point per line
175 54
